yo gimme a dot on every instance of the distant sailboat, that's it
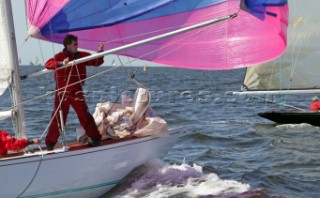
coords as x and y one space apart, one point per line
35 62
145 68
296 71
113 63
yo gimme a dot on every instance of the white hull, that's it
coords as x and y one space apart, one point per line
87 172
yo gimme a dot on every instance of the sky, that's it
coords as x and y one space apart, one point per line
34 49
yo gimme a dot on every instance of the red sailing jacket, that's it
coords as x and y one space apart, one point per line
315 106
78 72
9 143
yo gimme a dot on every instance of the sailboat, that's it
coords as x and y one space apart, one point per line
295 72
178 33
35 62
145 68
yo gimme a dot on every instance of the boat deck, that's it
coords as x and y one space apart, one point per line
72 146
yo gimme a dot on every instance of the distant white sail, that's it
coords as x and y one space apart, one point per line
299 68
35 62
5 65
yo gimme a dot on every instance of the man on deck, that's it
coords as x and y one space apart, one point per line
69 82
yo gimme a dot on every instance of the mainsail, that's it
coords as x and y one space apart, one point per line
10 75
257 35
6 67
297 70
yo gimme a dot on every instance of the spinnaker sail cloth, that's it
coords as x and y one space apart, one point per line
257 35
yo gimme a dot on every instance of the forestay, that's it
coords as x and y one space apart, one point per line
297 71
257 35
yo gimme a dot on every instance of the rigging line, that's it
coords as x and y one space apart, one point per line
25 14
304 33
274 64
13 112
297 55
294 60
33 74
151 52
51 92
78 75
125 87
281 85
62 128
160 31
41 51
34 175
178 40
295 44
130 73
23 43
58 107
42 57
275 102
139 84
51 31
26 25
181 39
119 32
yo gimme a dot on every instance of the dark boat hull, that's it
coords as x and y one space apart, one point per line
292 117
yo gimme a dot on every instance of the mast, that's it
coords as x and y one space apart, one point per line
15 88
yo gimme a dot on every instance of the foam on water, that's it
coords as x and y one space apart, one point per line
228 121
158 179
296 126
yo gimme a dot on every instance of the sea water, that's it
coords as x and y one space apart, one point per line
226 149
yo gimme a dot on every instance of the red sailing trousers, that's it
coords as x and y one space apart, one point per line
77 101
69 78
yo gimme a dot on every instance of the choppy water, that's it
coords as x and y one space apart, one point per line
226 150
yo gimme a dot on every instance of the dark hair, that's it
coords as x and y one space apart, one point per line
68 39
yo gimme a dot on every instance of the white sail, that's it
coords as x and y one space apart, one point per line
10 69
5 66
298 70
5 114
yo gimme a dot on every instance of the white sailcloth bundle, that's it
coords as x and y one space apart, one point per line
129 118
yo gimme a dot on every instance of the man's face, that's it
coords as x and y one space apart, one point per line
72 47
